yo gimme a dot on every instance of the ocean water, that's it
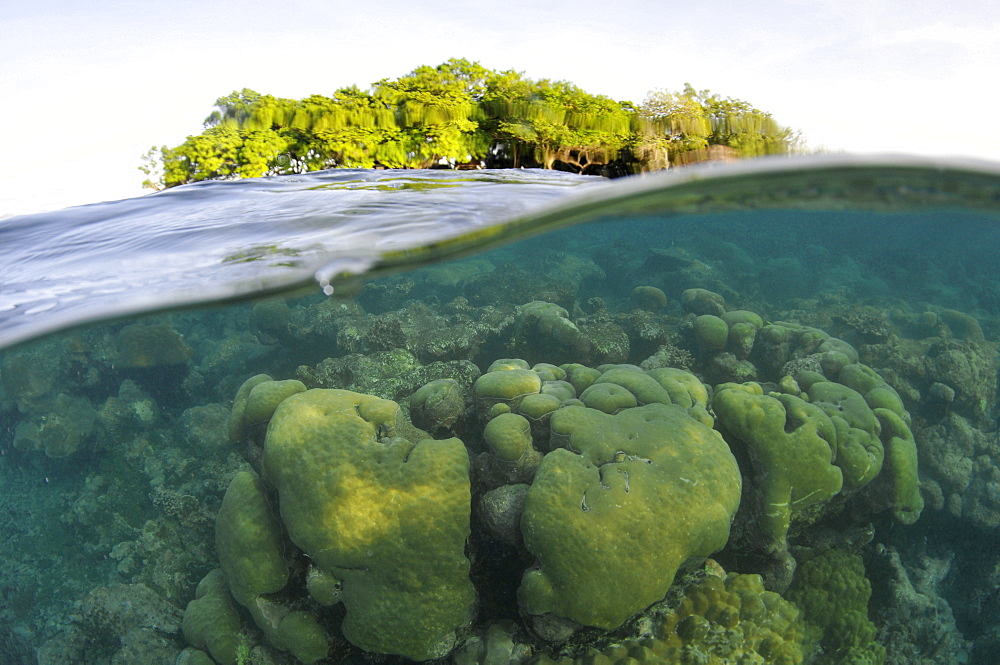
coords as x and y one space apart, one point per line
732 414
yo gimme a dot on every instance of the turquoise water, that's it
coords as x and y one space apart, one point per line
507 416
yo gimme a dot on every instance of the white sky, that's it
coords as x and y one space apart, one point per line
87 87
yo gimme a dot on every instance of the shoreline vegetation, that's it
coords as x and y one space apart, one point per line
462 115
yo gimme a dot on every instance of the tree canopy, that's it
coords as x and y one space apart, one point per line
460 113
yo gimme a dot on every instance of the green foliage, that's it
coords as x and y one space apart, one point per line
152 167
460 112
548 121
693 120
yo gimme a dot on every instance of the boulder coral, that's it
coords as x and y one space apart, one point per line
378 505
718 620
250 542
594 485
146 345
60 432
794 445
211 621
702 301
237 415
544 328
618 505
818 439
833 592
734 620
649 298
437 405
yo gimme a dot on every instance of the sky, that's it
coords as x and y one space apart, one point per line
87 87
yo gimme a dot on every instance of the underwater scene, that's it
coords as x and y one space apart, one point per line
738 414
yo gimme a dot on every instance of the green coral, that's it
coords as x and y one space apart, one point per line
265 397
300 635
561 389
817 438
547 321
743 327
859 451
901 475
636 482
538 407
211 621
780 342
733 621
833 592
549 372
237 416
736 316
703 301
502 364
506 385
649 298
385 514
269 319
612 388
793 442
711 332
580 376
724 343
545 327
250 542
508 436
645 388
608 398
899 482
717 622
620 503
686 391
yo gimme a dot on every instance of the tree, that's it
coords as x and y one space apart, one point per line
558 123
693 120
152 166
438 113
344 130
462 112
234 107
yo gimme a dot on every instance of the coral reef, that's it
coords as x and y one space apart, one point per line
515 457
127 623
831 589
729 619
618 505
146 345
365 504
